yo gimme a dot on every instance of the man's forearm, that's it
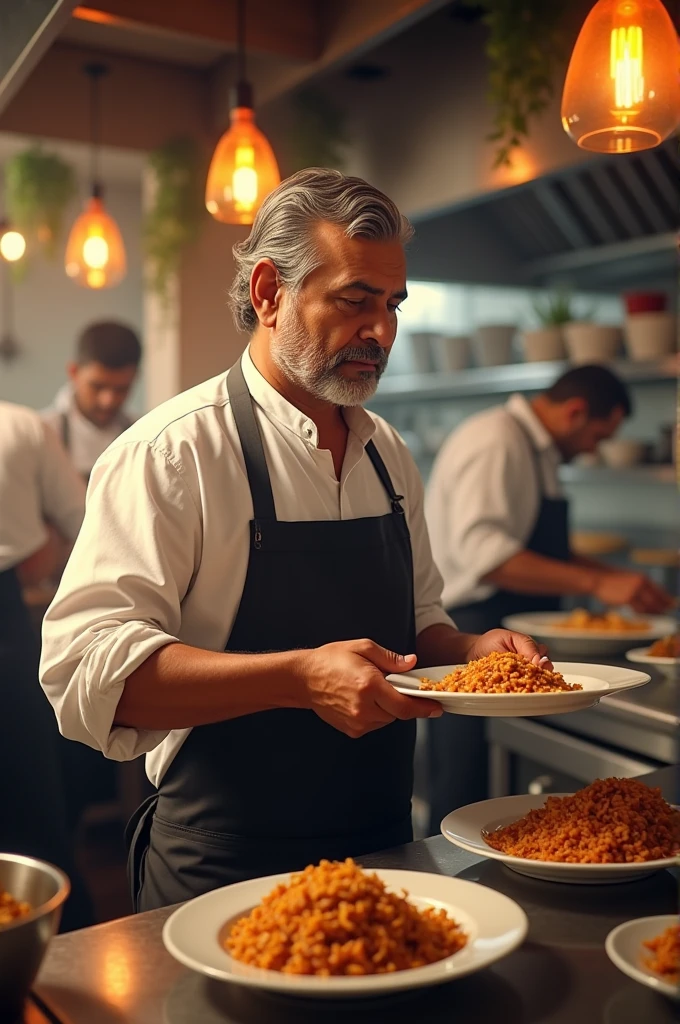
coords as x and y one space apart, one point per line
179 687
443 645
530 573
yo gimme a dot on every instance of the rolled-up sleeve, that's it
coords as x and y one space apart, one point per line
120 596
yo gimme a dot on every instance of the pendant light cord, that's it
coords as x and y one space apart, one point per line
95 72
241 39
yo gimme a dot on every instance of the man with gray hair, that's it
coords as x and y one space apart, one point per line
253 563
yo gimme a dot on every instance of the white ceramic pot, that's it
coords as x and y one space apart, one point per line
422 351
621 452
544 345
651 336
452 353
493 344
592 343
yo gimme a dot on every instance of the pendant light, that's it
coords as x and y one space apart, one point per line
12 243
243 169
622 91
95 255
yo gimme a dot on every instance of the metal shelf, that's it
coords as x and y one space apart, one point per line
605 474
490 380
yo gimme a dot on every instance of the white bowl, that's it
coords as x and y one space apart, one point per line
451 353
493 344
422 351
625 949
545 345
582 643
651 336
621 452
592 343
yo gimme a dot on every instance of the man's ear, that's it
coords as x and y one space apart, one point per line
265 292
577 412
72 370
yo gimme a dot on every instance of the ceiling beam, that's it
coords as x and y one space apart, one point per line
291 29
26 33
351 28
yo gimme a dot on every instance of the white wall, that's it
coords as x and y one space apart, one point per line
50 310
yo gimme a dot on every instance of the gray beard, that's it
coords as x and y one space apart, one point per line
306 366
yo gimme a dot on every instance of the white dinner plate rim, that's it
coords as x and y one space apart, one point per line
660 921
480 848
539 624
467 961
641 656
405 682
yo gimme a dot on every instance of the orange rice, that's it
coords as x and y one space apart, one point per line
335 919
666 949
501 672
611 821
11 909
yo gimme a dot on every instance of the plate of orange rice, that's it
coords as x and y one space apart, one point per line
507 685
648 950
613 830
336 930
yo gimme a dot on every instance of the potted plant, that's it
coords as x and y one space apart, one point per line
39 187
546 343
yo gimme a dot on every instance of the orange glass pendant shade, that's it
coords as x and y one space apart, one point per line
622 91
95 255
242 172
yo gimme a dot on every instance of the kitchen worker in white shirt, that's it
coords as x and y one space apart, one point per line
88 412
42 502
498 523
253 562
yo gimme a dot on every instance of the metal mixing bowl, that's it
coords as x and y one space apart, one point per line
23 944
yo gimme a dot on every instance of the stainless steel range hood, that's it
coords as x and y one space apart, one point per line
609 223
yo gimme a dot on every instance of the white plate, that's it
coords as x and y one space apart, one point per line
597 681
465 826
584 642
669 666
625 950
495 924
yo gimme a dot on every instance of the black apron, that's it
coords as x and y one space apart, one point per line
277 790
32 821
452 740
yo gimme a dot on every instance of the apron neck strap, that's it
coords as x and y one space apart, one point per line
254 457
251 444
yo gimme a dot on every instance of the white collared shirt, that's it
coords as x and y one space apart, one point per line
163 551
38 484
86 441
483 496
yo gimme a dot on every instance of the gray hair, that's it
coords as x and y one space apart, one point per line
282 230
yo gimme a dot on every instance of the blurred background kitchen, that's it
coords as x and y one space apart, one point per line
531 254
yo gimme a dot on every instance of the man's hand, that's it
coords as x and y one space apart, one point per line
505 640
346 687
614 589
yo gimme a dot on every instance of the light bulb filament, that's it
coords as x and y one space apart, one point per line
96 252
244 182
627 69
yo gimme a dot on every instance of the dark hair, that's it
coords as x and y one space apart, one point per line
110 343
602 390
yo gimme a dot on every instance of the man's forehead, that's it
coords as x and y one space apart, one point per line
349 259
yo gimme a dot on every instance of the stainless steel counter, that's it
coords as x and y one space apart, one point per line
119 973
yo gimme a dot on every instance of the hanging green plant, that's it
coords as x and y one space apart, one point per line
177 212
526 41
319 132
39 187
